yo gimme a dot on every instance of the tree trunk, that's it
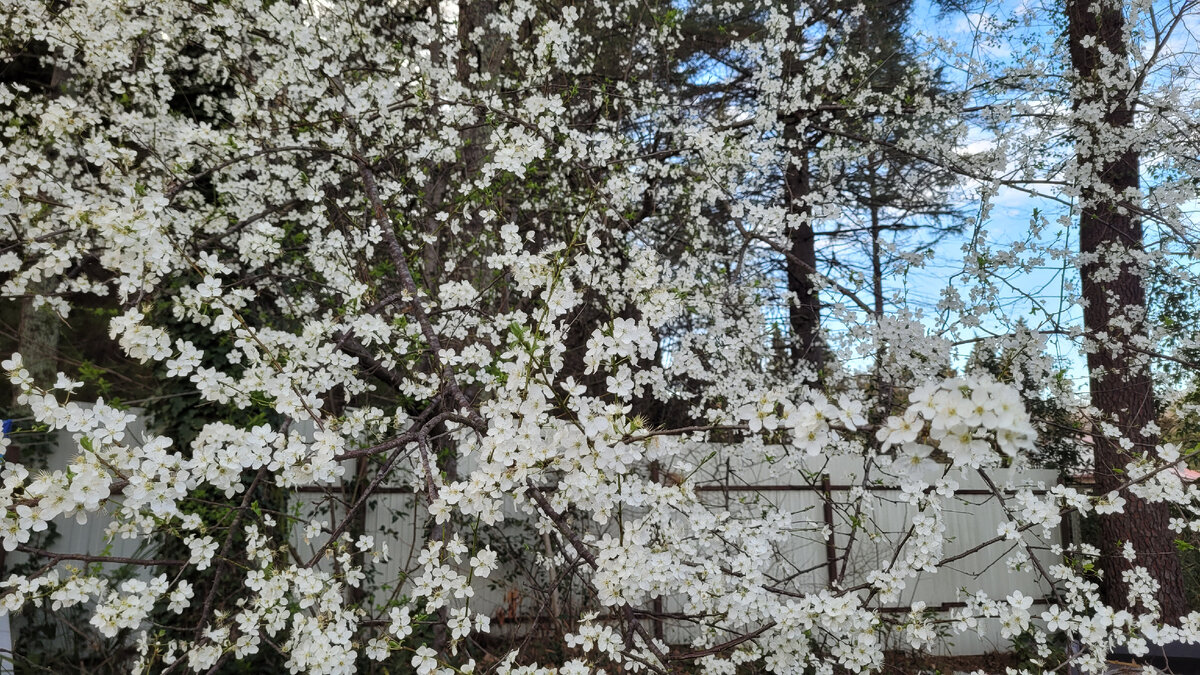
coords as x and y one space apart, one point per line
884 392
805 313
1115 298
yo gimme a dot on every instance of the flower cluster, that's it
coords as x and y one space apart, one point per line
967 419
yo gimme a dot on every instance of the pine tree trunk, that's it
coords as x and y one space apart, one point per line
805 313
1121 386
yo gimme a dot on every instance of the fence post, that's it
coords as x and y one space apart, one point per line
657 604
830 543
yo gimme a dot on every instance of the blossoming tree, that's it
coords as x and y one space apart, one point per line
438 247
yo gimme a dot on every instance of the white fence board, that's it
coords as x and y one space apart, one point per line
724 477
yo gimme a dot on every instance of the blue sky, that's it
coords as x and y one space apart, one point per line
1009 219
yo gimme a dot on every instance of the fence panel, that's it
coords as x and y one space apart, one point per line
820 495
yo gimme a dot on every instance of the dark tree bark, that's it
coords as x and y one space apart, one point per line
805 315
1109 235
